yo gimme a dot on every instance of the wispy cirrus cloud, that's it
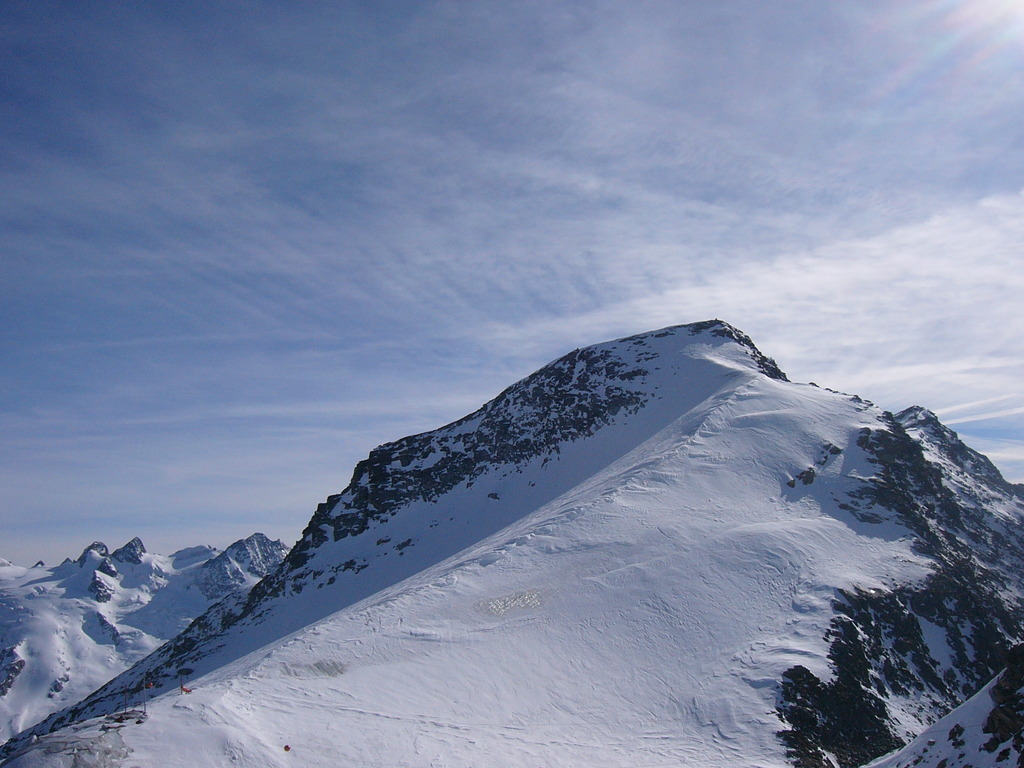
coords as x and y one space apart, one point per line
309 223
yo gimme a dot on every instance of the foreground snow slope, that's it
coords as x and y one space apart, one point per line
655 551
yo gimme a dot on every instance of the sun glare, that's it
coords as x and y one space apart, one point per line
986 27
954 45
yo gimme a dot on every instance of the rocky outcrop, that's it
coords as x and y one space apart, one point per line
919 649
11 665
131 552
1006 720
240 565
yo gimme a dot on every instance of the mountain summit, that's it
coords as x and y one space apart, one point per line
654 550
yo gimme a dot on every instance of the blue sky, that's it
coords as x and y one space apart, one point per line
242 243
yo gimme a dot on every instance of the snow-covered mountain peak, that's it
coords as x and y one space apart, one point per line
66 630
609 396
95 551
131 552
241 565
655 550
944 446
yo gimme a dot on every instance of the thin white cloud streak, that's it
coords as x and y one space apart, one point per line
949 409
985 416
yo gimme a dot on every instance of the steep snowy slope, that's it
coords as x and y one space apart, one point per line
66 630
985 732
653 551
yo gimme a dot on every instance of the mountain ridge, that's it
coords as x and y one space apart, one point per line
843 575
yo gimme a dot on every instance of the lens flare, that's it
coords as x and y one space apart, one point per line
955 43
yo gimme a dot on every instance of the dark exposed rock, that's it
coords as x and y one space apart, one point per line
131 552
844 714
878 646
10 667
58 685
100 589
1007 716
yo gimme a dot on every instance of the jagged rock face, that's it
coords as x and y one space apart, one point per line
985 732
1006 720
240 565
918 650
959 459
568 400
131 552
11 665
100 589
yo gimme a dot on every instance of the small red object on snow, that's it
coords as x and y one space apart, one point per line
287 748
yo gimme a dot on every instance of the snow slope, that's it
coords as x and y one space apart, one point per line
66 630
984 732
668 579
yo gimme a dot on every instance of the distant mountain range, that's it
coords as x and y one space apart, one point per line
652 551
66 630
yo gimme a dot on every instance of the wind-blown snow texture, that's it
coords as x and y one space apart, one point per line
66 630
652 551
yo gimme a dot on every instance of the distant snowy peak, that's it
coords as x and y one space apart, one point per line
68 629
131 552
96 550
240 565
